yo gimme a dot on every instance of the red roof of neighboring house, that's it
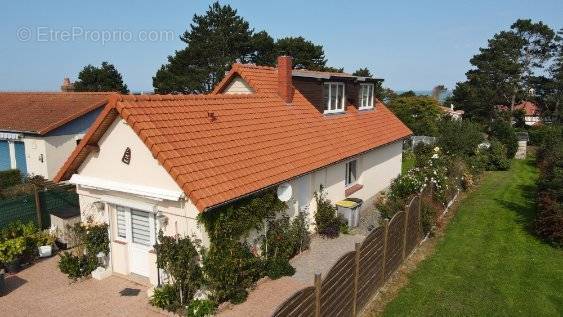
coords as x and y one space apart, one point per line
530 108
221 147
42 112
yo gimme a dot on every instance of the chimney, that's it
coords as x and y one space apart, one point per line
285 82
67 86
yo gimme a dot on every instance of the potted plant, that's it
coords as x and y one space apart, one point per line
11 251
45 241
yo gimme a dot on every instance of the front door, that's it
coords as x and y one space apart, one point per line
137 228
142 237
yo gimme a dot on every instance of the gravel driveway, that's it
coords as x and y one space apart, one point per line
42 290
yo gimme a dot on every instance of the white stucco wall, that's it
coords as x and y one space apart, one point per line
143 170
238 86
58 149
34 148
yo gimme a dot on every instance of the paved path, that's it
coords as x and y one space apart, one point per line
42 290
322 255
264 300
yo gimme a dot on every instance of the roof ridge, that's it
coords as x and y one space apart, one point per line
171 97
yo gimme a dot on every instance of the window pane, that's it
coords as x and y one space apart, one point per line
140 231
365 96
350 172
333 100
121 222
340 97
326 99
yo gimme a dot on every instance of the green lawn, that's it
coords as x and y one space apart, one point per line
488 263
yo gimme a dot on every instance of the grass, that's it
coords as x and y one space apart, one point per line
408 161
488 263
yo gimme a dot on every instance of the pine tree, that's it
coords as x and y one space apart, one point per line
104 78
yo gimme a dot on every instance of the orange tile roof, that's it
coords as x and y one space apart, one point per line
42 112
530 108
221 147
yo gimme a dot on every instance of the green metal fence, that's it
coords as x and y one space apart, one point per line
24 208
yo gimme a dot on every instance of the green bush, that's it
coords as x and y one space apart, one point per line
166 297
201 308
96 239
10 178
278 267
285 238
496 157
459 137
12 249
326 220
505 133
179 258
229 269
427 215
538 134
77 266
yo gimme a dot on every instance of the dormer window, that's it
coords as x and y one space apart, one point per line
334 97
366 96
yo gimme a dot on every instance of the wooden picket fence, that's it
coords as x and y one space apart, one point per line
358 274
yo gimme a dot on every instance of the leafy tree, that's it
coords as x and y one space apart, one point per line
459 137
221 37
305 53
420 113
363 72
504 71
216 39
104 78
505 133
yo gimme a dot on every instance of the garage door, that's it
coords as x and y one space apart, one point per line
4 156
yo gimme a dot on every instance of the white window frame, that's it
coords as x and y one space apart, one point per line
129 228
366 104
328 103
347 183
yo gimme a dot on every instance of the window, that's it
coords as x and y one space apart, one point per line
121 222
351 172
140 227
366 96
333 94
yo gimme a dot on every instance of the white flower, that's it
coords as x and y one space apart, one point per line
436 149
435 156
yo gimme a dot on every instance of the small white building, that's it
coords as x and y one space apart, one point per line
38 131
153 163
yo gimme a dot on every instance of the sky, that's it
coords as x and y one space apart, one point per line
411 44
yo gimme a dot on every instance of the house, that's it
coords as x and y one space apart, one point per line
153 163
39 130
532 113
455 114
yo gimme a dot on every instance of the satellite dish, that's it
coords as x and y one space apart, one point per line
285 192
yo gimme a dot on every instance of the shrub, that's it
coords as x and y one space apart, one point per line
538 134
428 214
77 266
201 308
459 138
496 157
179 258
96 239
11 249
278 267
285 238
505 133
229 269
326 220
10 178
166 297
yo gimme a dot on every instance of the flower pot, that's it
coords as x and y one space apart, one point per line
45 251
14 266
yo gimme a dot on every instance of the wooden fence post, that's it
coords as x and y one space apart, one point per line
38 207
407 211
420 233
318 284
385 238
356 277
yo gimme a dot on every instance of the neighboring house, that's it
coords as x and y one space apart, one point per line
156 162
455 114
532 113
38 131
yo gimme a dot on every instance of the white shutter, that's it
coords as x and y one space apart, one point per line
121 222
140 227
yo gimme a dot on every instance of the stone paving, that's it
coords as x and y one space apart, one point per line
42 290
